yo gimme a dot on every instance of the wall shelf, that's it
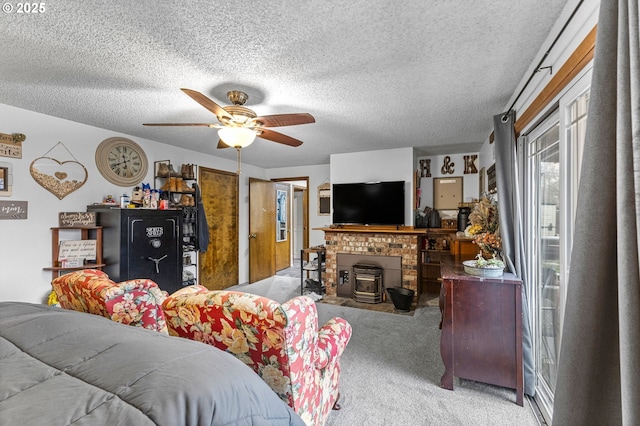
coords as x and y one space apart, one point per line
86 233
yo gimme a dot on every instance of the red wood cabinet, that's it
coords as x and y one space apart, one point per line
481 325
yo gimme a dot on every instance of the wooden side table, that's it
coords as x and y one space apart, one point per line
481 325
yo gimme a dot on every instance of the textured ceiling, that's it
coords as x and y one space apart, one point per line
374 74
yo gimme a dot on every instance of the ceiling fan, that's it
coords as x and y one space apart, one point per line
239 125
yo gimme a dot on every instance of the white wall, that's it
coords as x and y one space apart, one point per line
372 166
25 245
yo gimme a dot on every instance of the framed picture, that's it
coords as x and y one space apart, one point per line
324 199
281 215
4 178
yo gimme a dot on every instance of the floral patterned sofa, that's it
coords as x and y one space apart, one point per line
282 343
135 302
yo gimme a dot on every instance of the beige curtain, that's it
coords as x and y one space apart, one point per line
599 368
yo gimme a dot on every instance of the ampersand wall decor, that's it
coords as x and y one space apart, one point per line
448 167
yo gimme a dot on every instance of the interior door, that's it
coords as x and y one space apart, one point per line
262 229
283 226
218 266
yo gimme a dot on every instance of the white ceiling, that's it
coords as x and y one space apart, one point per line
375 74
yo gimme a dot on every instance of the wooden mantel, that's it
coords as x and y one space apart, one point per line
410 230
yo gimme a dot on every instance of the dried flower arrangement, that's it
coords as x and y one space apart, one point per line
484 227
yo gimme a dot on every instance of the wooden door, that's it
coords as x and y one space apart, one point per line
283 226
218 266
262 229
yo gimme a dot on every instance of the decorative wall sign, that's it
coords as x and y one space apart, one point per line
425 168
13 209
491 178
469 164
77 249
417 183
448 166
60 178
11 145
74 219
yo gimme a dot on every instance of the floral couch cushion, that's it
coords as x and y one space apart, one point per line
135 302
282 343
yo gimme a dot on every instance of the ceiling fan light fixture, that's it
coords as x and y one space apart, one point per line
237 137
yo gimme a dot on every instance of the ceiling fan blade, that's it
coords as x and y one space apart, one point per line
278 120
177 124
207 103
278 137
222 145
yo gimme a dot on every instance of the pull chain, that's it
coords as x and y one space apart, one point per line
239 157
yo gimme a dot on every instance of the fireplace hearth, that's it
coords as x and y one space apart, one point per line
395 250
368 287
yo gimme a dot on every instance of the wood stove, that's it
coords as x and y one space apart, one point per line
367 283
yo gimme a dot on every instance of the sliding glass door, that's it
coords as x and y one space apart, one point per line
544 252
553 151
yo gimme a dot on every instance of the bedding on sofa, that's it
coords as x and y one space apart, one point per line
62 367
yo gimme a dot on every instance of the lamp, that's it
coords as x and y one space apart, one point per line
237 137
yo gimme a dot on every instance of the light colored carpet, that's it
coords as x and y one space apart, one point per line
391 370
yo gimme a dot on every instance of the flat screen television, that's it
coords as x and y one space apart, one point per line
378 203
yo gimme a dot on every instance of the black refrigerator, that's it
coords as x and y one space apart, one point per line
142 243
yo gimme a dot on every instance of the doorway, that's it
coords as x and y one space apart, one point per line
283 225
299 215
263 224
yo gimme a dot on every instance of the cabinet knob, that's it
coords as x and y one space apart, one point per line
252 235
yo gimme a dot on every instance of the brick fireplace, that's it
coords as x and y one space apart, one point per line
368 241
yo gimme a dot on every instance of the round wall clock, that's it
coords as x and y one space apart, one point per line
121 161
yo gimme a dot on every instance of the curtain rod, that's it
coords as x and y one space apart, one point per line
539 66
